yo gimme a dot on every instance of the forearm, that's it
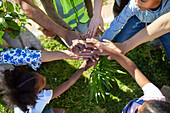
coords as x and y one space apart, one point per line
89 7
156 29
53 55
97 7
52 13
66 85
40 17
131 68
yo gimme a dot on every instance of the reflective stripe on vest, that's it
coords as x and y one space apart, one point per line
71 11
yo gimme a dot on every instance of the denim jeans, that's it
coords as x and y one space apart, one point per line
133 26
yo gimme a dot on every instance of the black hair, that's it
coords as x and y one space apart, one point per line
20 88
155 106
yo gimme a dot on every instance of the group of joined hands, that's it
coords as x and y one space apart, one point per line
90 49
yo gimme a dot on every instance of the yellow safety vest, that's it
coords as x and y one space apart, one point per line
72 11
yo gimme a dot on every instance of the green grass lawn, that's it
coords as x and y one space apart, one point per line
151 61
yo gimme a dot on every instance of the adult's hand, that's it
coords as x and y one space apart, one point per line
95 22
101 48
88 64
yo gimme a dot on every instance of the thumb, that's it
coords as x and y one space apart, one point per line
102 28
107 41
85 34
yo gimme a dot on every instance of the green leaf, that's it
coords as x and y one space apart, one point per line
14 14
2 14
10 7
14 33
1 34
13 25
3 24
122 72
17 8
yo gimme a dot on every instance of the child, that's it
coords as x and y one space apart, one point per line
153 100
26 89
135 17
34 58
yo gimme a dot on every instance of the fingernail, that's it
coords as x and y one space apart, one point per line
102 30
93 60
91 55
97 58
84 49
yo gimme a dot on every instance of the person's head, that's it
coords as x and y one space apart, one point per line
154 106
148 4
22 88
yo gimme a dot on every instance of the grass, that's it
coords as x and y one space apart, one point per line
151 61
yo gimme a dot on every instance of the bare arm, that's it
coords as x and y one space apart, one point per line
51 12
36 14
130 67
47 56
89 7
96 20
105 49
156 29
66 85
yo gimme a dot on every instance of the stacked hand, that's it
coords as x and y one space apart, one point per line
93 30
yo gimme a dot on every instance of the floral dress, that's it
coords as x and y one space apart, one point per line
21 57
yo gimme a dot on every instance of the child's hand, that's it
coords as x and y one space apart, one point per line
88 64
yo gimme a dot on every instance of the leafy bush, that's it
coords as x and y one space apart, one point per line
11 19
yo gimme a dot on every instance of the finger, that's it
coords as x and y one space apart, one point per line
90 46
94 32
85 34
95 64
91 33
81 47
101 27
97 52
107 41
77 49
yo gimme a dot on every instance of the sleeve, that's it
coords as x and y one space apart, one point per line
117 24
151 92
21 57
44 98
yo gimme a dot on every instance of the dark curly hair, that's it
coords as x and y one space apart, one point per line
20 88
155 106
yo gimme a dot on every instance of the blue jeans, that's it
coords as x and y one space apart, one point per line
133 26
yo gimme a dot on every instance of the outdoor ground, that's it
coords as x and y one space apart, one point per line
151 61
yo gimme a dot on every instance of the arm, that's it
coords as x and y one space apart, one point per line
120 20
96 20
130 67
46 22
104 49
47 56
89 7
66 85
156 29
51 12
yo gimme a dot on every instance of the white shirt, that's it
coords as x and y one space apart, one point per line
151 92
44 98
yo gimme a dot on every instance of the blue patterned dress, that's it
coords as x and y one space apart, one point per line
21 57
